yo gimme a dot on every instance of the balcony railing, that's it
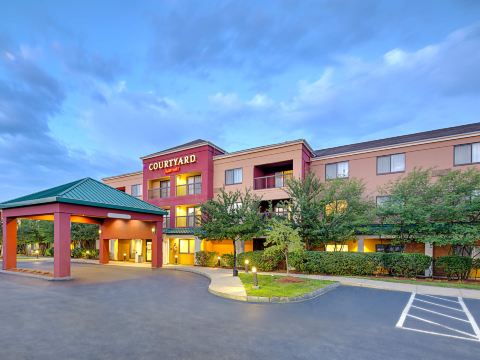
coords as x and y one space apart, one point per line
189 189
187 221
271 181
166 222
158 193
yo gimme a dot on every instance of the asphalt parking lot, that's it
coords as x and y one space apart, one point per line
111 312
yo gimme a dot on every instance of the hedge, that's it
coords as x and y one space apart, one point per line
79 253
360 264
259 259
205 258
455 266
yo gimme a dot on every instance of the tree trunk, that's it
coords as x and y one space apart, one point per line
235 271
286 262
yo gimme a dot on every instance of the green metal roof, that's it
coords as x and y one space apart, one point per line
179 231
87 192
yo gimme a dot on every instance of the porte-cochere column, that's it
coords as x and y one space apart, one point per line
61 245
9 243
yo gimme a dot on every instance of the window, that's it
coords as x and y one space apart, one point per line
193 216
336 207
382 199
467 154
281 177
164 188
194 185
336 247
187 246
136 190
388 248
336 170
391 164
233 176
166 219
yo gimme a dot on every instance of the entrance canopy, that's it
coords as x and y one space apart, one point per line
87 200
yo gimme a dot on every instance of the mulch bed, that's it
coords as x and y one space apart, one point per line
32 271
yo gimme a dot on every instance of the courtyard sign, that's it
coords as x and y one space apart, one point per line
172 163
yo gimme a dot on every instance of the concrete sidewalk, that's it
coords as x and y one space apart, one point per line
222 283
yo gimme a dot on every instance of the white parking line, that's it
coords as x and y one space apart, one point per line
469 319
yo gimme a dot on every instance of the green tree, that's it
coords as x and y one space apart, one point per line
34 232
344 210
84 236
305 207
231 216
282 237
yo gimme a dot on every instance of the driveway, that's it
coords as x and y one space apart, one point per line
112 312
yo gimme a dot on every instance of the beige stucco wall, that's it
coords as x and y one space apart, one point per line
249 159
125 180
436 155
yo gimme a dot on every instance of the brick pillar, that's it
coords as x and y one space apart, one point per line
9 243
361 244
157 245
61 244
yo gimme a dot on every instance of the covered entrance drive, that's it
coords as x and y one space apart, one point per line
119 215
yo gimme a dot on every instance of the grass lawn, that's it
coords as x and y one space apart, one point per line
439 283
275 285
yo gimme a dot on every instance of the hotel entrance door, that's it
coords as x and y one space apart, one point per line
149 251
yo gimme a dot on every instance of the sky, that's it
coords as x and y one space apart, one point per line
87 87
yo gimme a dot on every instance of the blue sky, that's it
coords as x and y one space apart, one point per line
86 87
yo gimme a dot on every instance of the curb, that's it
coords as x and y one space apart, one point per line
260 299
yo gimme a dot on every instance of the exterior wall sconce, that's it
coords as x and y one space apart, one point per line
246 266
153 230
255 278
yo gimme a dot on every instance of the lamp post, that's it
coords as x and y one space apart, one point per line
246 266
218 261
124 256
255 278
176 259
36 253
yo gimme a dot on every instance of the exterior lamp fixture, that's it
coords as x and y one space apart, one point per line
124 256
87 252
255 278
246 266
176 259
218 261
99 231
153 230
37 252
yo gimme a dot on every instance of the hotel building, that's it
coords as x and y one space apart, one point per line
180 178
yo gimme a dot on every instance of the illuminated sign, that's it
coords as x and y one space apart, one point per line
172 164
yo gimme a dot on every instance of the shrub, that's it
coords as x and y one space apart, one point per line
405 264
455 266
205 258
49 252
227 260
76 253
261 260
360 264
337 263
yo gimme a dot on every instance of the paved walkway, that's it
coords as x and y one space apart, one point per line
225 285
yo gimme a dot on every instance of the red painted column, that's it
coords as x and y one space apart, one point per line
61 244
157 245
9 243
104 251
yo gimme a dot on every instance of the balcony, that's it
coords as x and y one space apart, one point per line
158 193
187 221
271 181
189 189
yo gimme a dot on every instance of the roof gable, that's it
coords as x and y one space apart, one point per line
87 192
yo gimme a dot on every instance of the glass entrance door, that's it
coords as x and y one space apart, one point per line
149 251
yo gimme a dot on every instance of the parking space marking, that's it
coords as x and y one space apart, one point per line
414 303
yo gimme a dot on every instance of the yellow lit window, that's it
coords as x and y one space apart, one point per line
337 247
338 206
187 246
